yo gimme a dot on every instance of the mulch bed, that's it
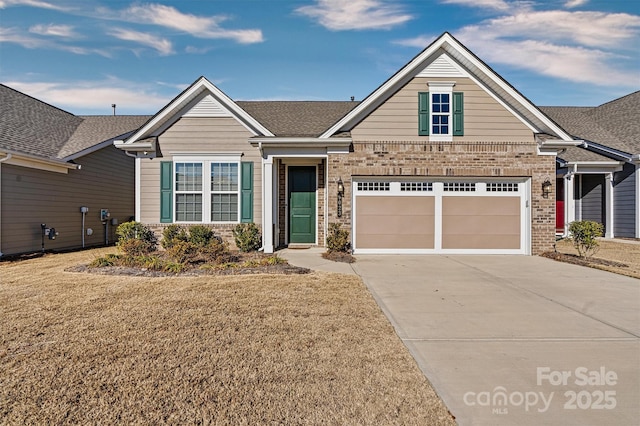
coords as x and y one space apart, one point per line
285 269
592 262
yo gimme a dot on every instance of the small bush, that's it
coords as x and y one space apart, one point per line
108 260
172 234
583 234
214 251
174 267
338 239
135 247
201 235
247 237
183 252
135 231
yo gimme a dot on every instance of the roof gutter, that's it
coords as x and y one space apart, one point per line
299 142
144 147
15 156
614 152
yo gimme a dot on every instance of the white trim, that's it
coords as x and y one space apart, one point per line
302 163
438 193
609 203
267 204
569 201
138 190
206 161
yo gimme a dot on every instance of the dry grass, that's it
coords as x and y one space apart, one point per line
613 251
261 349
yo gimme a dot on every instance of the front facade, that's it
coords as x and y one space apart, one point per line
444 157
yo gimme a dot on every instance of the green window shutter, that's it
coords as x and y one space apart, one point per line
246 186
458 114
166 191
423 114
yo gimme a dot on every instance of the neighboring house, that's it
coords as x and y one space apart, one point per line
443 157
600 180
52 163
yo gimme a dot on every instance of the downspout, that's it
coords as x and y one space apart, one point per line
2 160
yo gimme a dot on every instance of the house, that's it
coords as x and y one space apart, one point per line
599 180
443 157
52 165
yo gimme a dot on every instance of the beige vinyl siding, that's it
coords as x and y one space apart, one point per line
484 118
198 135
31 197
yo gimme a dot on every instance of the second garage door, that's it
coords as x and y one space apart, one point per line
441 217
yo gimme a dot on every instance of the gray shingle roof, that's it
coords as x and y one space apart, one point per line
297 118
615 124
99 128
31 126
576 154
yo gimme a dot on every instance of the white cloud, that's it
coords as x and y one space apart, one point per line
162 45
588 47
197 26
490 4
575 3
13 35
53 30
96 96
596 29
340 15
31 3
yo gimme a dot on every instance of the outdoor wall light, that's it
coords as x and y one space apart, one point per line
340 195
546 188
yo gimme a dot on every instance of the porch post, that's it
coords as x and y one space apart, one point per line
608 194
267 204
569 202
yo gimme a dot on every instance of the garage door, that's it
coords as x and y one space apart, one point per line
464 216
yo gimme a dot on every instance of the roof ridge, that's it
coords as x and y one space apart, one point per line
40 101
618 99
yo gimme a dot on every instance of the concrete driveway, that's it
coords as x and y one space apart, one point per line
516 340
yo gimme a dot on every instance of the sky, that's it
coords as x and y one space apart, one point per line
85 55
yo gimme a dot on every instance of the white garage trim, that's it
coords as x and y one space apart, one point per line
511 192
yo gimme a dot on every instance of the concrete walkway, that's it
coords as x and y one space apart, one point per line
513 340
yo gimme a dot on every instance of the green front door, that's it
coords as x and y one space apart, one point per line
302 204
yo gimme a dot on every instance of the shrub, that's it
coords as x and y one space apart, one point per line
201 235
338 239
583 234
172 234
247 237
214 251
135 231
183 252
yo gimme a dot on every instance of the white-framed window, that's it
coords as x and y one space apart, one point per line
207 189
440 109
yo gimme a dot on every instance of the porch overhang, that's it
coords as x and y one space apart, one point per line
300 142
144 146
555 146
594 167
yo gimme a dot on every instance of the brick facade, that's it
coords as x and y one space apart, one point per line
446 160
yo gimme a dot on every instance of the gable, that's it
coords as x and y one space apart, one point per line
459 59
201 99
208 107
485 119
442 66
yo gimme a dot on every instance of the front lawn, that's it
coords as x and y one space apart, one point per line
243 349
